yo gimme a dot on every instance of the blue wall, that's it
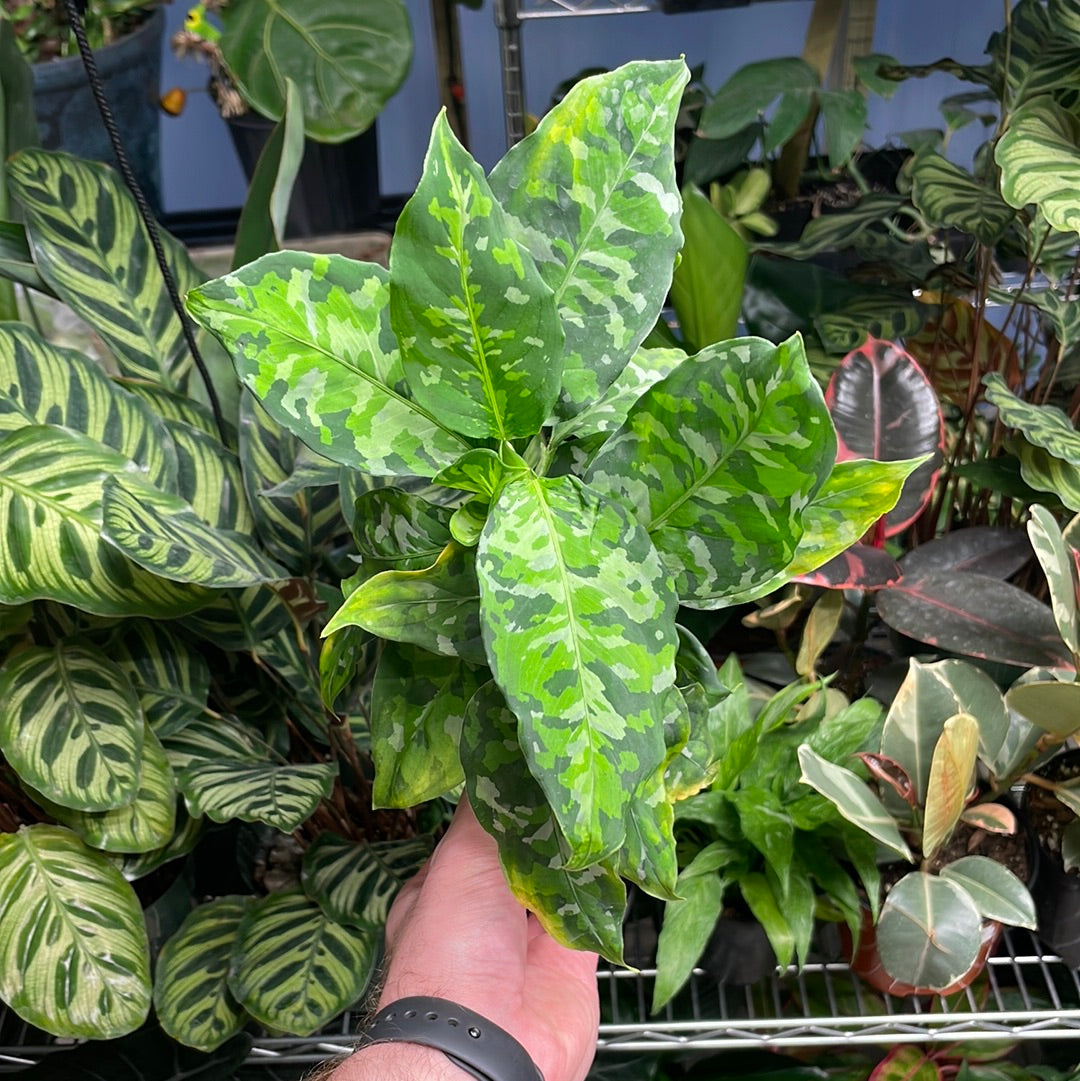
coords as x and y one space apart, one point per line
201 171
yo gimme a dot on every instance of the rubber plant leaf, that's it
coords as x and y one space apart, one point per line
607 146
1050 705
997 892
1058 563
989 550
952 777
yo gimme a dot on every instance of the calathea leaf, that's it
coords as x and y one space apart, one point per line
214 738
88 973
395 530
721 488
209 479
480 333
1044 425
949 195
241 619
331 381
582 909
418 703
579 628
610 260
185 837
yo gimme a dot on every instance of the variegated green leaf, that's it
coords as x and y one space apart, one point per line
213 738
581 909
1058 564
74 959
356 882
91 246
1044 425
579 626
240 619
42 383
332 379
997 892
344 661
143 825
758 435
480 335
480 470
1039 157
594 196
892 314
170 406
209 479
186 836
163 534
437 608
50 518
294 969
949 195
71 725
418 702
648 857
395 530
191 992
1046 472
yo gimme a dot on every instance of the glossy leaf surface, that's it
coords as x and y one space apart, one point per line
952 774
997 892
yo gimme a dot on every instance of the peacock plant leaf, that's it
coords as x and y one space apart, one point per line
209 479
240 619
71 725
481 339
951 196
294 968
185 837
594 197
212 739
310 336
952 776
579 628
1044 425
192 999
741 422
1051 478
88 973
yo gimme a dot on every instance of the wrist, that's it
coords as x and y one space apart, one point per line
399 1062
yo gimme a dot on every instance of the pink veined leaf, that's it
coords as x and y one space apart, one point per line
858 567
890 772
991 817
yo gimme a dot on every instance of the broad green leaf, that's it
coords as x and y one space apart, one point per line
71 726
751 90
768 828
1049 705
344 659
759 436
928 933
74 959
952 774
92 248
209 479
832 232
1044 425
581 909
592 192
418 703
310 337
768 910
579 628
1050 478
171 406
355 882
186 836
395 530
50 519
850 795
42 383
843 113
191 992
214 738
480 471
949 195
998 894
1057 562
1039 157
282 796
480 333
821 626
294 969
163 534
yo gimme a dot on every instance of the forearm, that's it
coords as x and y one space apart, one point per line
398 1062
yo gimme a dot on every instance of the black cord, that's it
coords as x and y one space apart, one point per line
74 10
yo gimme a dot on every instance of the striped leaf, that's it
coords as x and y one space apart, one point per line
74 959
143 825
579 626
437 608
91 246
581 909
163 534
186 836
395 530
722 487
606 151
50 519
356 882
281 796
191 992
169 406
418 702
1044 425
239 619
294 969
71 725
949 195
42 383
1047 474
480 333
1039 157
214 738
209 479
330 379
610 260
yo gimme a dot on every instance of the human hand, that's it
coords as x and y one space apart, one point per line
457 932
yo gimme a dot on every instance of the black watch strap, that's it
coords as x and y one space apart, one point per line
470 1041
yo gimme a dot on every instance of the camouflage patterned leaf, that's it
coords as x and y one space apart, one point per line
949 195
437 608
85 229
74 959
648 857
329 379
71 726
579 627
50 518
356 882
191 992
581 909
481 337
163 534
209 479
609 258
722 487
395 530
480 471
294 969
418 702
